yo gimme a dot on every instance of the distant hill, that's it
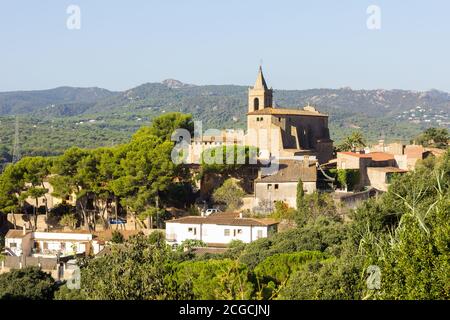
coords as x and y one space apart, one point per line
390 114
174 95
29 102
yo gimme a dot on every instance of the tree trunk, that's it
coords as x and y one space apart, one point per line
46 207
14 219
35 214
116 209
85 216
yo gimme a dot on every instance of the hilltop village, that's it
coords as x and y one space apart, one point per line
287 154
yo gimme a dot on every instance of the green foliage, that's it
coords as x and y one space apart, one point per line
68 220
279 267
64 293
215 279
354 141
316 205
2 244
117 237
135 270
413 255
30 284
434 137
328 280
323 234
230 194
157 238
283 211
347 178
163 126
300 197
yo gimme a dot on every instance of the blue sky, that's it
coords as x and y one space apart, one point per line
303 44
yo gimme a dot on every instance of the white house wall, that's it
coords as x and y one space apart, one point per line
213 233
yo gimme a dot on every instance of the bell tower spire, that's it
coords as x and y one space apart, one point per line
260 96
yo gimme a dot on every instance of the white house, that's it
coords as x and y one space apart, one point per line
50 244
219 229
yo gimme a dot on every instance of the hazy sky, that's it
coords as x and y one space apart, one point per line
303 44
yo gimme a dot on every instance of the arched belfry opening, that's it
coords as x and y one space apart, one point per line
256 104
259 96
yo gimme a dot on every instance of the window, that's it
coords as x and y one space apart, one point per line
256 104
63 246
13 245
192 230
269 186
226 232
259 234
239 231
276 187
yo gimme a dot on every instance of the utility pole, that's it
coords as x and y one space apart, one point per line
16 146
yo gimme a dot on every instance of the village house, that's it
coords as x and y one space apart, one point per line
362 162
54 252
282 186
219 229
49 199
380 177
50 244
406 156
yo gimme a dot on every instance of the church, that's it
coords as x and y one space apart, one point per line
286 133
278 133
297 140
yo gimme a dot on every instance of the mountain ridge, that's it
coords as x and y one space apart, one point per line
224 104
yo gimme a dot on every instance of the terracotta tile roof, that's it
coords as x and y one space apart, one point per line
375 156
354 154
381 156
292 171
228 219
290 112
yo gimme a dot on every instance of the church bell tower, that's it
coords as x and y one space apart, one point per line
260 96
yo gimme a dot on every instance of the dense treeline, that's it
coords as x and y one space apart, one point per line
138 176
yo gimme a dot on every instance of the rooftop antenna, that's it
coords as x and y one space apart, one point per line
16 146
